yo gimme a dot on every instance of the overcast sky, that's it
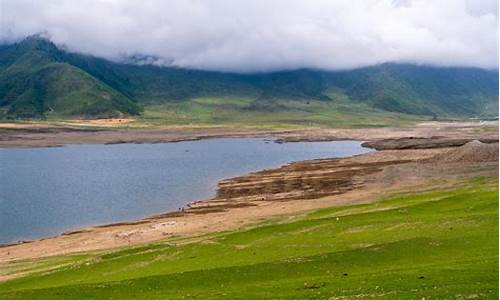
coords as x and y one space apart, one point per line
264 35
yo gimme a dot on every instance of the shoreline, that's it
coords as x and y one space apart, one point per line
241 202
373 178
173 213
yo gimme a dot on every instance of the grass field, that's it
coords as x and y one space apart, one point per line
234 112
433 245
276 114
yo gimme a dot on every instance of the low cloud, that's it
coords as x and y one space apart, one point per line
262 35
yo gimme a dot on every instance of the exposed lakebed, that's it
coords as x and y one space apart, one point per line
45 191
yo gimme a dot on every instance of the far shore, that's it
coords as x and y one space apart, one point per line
25 135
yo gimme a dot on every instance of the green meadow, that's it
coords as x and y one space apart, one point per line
431 245
278 114
247 112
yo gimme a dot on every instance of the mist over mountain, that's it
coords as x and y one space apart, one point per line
38 78
262 36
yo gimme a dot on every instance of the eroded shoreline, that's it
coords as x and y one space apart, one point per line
290 189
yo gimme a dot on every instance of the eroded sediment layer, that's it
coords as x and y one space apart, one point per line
425 143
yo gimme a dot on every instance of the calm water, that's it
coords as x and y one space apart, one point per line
45 191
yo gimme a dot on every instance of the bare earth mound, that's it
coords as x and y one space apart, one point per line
473 151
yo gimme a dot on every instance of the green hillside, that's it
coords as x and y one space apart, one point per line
37 79
35 83
423 90
434 245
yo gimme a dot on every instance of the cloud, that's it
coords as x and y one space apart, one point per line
263 35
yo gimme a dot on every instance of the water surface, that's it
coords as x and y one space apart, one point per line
45 191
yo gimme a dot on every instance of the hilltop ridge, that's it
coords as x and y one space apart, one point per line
38 78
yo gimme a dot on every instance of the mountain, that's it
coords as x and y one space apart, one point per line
35 79
38 78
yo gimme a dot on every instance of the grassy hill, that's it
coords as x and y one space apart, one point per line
433 245
423 90
38 79
35 81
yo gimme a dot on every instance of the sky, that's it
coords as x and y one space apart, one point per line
264 35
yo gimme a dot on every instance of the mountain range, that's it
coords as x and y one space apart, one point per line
38 78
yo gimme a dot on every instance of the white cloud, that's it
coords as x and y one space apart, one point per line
260 35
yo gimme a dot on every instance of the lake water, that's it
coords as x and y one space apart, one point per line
45 191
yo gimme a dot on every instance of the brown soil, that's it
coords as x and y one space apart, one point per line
474 151
424 143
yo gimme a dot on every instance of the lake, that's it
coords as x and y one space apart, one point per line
45 191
